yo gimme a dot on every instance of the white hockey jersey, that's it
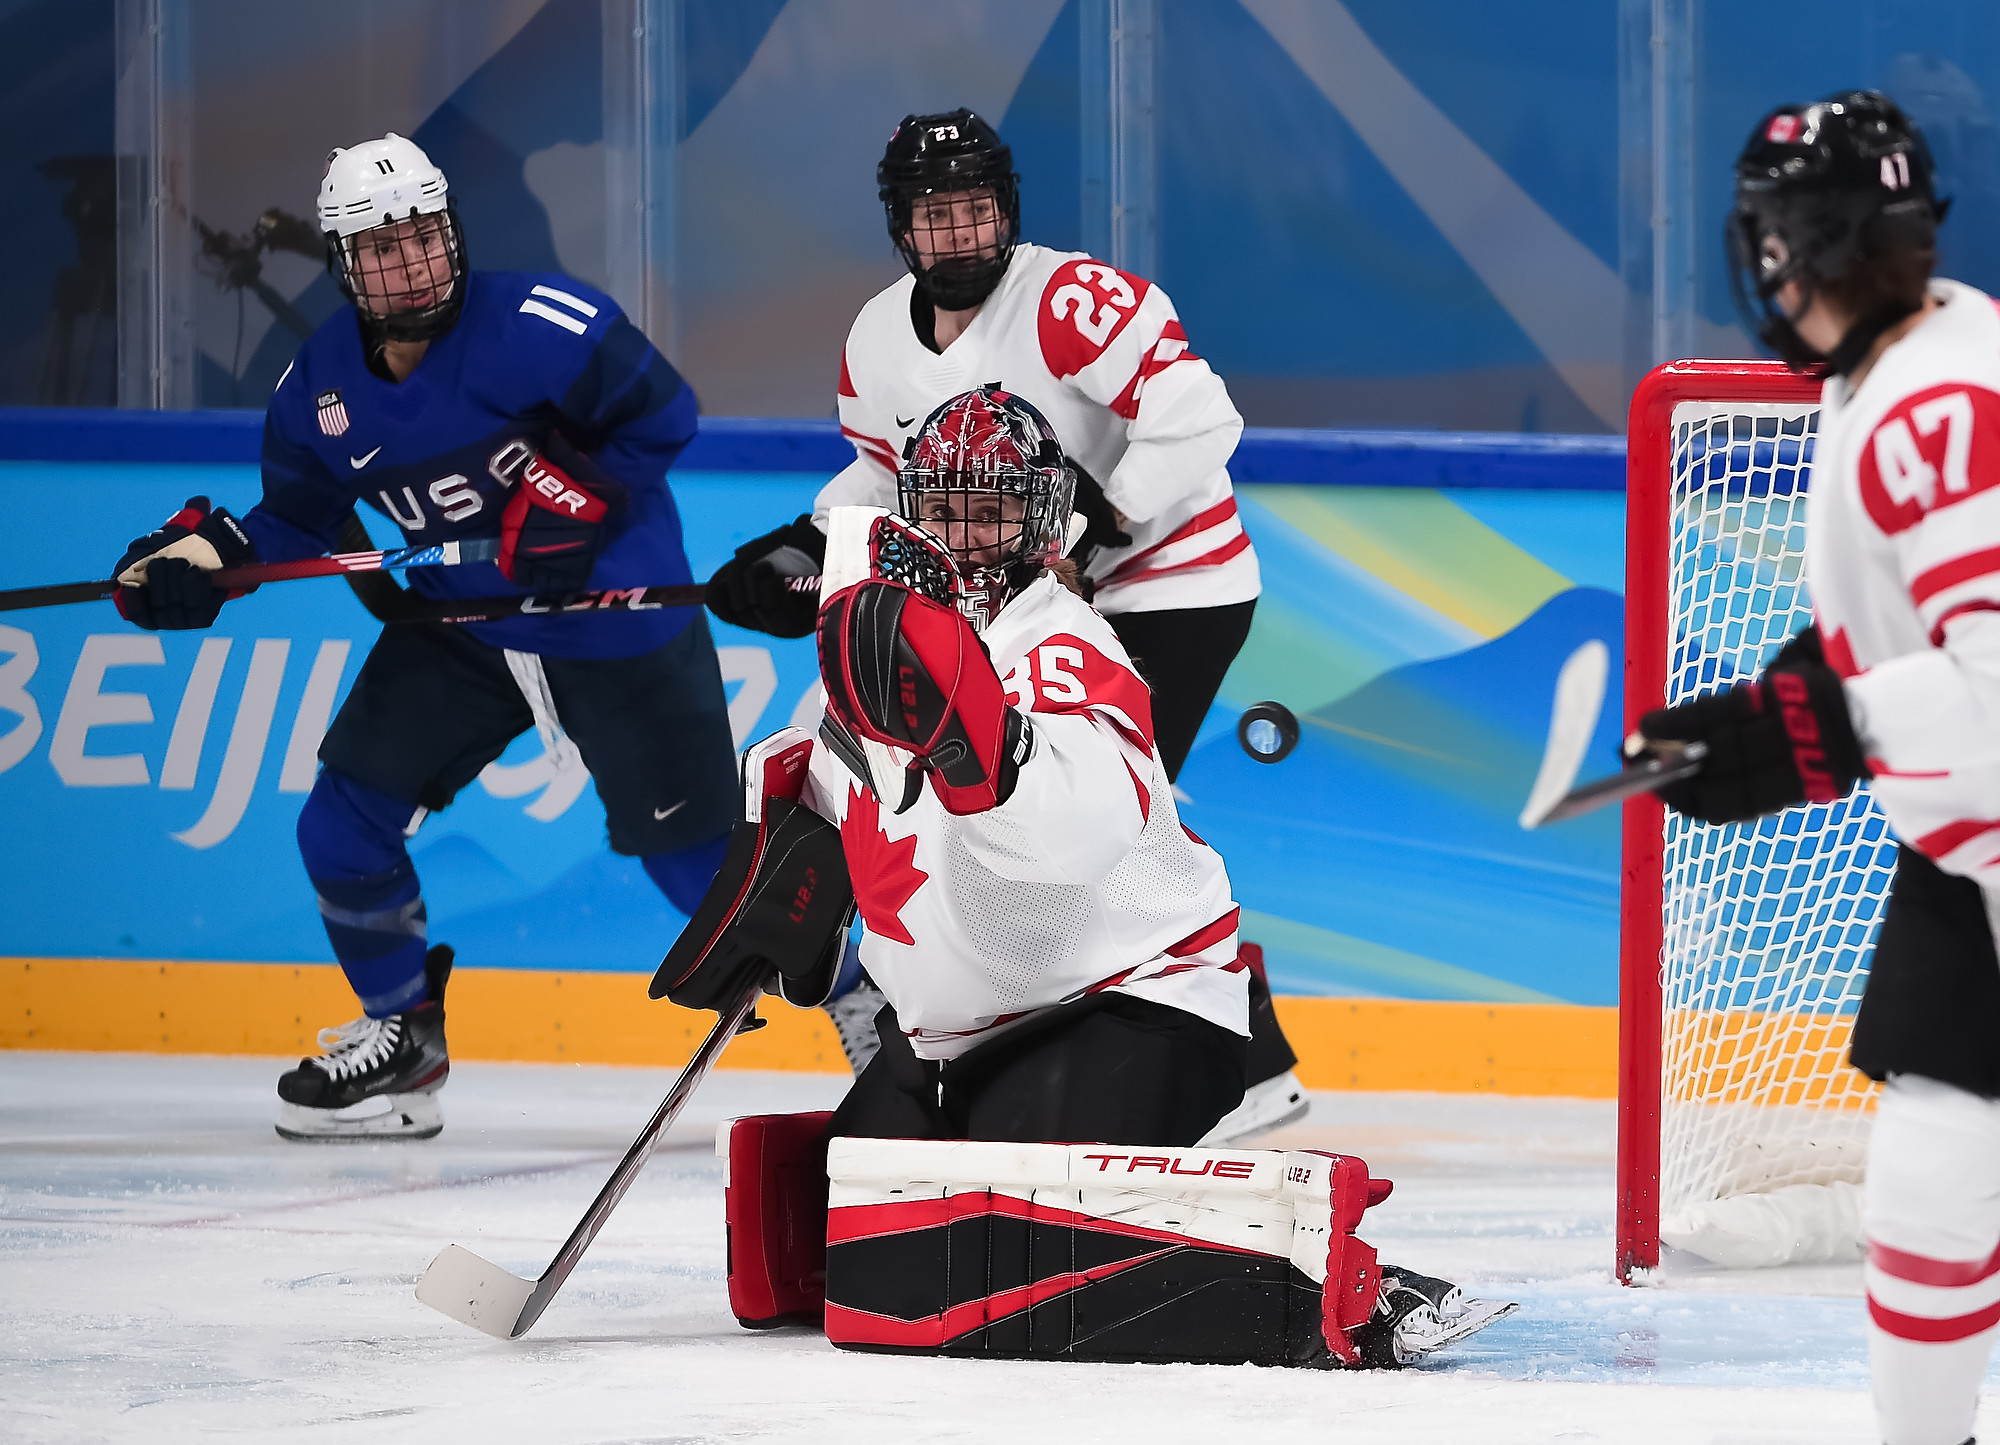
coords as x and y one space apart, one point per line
1103 356
1083 880
1903 560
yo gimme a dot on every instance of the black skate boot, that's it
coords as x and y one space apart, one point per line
1416 1314
853 1015
378 1078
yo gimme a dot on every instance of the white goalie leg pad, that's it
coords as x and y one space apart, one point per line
1094 1251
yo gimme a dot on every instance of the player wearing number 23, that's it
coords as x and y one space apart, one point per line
1899 681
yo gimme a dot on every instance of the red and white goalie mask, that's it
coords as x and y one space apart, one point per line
987 477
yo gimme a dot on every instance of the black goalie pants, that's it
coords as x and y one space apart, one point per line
1107 1069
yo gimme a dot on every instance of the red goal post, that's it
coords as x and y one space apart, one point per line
1742 949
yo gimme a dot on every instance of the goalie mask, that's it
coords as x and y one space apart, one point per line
954 205
986 476
1822 189
393 239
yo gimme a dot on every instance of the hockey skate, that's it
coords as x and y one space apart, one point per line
1275 1096
1416 1315
378 1078
853 1015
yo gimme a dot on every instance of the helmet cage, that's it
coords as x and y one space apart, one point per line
384 269
994 489
957 156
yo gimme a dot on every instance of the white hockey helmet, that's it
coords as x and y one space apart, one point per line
378 182
417 293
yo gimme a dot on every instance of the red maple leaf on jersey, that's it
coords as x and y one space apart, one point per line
883 869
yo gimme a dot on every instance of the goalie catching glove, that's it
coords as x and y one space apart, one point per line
1782 740
903 670
163 581
557 522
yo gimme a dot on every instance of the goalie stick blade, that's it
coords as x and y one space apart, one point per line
1572 720
1651 774
475 1292
506 1306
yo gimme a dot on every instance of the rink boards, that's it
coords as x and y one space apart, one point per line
1417 938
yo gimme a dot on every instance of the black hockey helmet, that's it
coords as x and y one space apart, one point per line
956 152
1820 189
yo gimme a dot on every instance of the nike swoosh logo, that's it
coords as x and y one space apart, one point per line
661 813
902 424
359 462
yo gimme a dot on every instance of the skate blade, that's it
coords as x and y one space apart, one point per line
1475 1316
474 1292
387 1116
1270 1105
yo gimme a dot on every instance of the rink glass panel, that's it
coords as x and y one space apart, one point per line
1768 925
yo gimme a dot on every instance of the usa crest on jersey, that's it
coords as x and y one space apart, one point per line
332 413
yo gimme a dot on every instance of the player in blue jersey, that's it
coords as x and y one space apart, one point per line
465 404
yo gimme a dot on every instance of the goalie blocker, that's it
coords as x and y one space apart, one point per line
1072 1252
781 901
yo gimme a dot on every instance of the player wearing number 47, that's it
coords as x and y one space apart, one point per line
465 404
1898 680
1148 426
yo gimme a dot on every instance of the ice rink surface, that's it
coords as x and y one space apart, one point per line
172 1270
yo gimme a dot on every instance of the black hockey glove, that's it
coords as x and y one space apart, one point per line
780 904
163 577
558 520
1782 740
1096 509
772 583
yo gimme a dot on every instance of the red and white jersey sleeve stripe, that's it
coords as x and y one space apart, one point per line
1104 356
1903 559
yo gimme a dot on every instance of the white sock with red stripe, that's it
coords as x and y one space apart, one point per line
1933 1220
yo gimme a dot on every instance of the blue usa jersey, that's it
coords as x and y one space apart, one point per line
531 354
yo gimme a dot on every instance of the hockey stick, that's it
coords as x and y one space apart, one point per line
1677 762
1579 700
340 564
406 606
474 1292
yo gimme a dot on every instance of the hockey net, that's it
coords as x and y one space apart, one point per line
1742 1129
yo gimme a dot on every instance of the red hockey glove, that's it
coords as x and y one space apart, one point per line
558 520
907 671
163 576
1774 743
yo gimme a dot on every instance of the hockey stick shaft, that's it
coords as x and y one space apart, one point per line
460 1284
340 564
1644 777
413 607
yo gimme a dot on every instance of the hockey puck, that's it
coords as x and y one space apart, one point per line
1268 731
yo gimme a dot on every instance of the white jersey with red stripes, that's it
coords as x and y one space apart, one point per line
1903 558
1083 880
1102 354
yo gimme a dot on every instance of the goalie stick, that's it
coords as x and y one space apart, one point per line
481 1294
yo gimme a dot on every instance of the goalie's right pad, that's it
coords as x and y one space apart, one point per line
1099 1252
780 903
775 1205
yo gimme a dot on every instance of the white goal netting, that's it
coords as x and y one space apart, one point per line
1768 926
